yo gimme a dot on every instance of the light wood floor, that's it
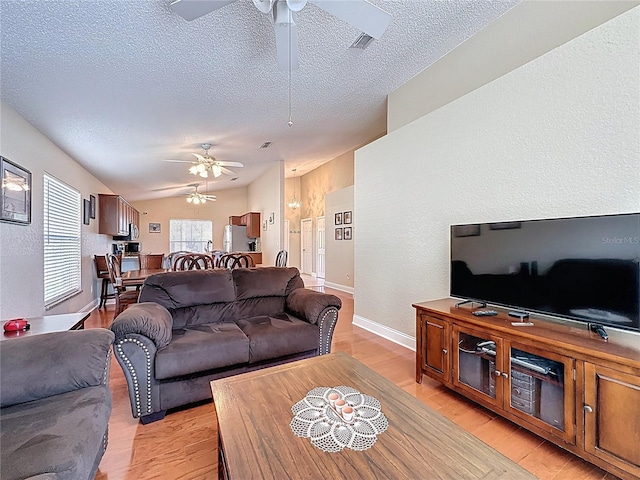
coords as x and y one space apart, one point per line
183 445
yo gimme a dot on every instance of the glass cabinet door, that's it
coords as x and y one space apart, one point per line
478 364
541 389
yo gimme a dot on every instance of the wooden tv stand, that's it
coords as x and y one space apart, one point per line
559 381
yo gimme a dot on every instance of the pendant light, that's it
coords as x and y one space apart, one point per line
294 203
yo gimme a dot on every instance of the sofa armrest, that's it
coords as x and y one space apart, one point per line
149 319
309 305
49 364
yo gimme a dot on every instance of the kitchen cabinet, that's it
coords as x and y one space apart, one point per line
115 215
250 220
563 383
611 416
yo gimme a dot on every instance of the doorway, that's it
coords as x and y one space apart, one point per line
285 239
306 246
320 267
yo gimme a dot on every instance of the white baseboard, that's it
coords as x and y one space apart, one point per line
383 331
337 286
90 307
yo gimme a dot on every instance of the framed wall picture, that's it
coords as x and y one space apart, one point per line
92 206
15 201
346 217
347 233
86 211
338 234
154 228
338 218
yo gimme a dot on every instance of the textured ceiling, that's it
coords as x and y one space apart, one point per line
121 85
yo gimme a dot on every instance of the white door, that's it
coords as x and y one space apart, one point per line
320 244
307 246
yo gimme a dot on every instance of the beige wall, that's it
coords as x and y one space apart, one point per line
22 246
265 196
339 253
161 210
556 137
311 190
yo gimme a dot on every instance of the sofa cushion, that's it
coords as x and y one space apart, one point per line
61 435
202 347
189 288
266 282
273 336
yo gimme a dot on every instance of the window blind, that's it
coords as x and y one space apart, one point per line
62 230
190 235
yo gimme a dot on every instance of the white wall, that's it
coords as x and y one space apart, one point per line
339 272
22 246
556 137
265 195
503 46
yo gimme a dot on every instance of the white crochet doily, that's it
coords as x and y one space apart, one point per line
315 418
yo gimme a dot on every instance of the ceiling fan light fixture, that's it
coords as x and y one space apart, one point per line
217 170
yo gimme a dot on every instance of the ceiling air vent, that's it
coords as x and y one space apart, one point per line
265 145
233 179
362 41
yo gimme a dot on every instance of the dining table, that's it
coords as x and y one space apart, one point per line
135 278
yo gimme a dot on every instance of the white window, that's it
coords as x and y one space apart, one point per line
62 230
190 235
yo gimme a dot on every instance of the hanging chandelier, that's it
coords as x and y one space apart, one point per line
294 203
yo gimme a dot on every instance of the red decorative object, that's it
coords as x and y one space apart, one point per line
15 325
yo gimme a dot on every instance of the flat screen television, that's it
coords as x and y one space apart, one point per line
581 268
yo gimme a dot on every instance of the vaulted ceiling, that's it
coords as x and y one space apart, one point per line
122 85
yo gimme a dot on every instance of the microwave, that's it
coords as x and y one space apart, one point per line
132 247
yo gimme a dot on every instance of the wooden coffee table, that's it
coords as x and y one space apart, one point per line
48 324
255 440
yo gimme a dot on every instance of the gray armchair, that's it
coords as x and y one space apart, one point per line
55 404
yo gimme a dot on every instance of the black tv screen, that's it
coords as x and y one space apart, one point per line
582 268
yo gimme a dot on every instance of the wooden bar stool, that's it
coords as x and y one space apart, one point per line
102 272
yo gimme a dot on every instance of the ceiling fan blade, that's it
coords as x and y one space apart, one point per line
286 29
230 164
361 14
192 9
177 161
201 158
227 171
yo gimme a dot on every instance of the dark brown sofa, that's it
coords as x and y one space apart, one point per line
192 327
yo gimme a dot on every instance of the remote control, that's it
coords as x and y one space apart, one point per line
522 324
484 313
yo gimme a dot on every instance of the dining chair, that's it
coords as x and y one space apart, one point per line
172 258
102 272
281 258
194 261
150 261
235 260
123 297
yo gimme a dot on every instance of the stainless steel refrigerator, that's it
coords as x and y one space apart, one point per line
235 239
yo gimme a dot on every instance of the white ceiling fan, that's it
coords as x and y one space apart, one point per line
361 14
197 198
208 163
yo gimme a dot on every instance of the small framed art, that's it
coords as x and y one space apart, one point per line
346 217
338 234
92 206
15 201
338 218
86 211
347 233
154 227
